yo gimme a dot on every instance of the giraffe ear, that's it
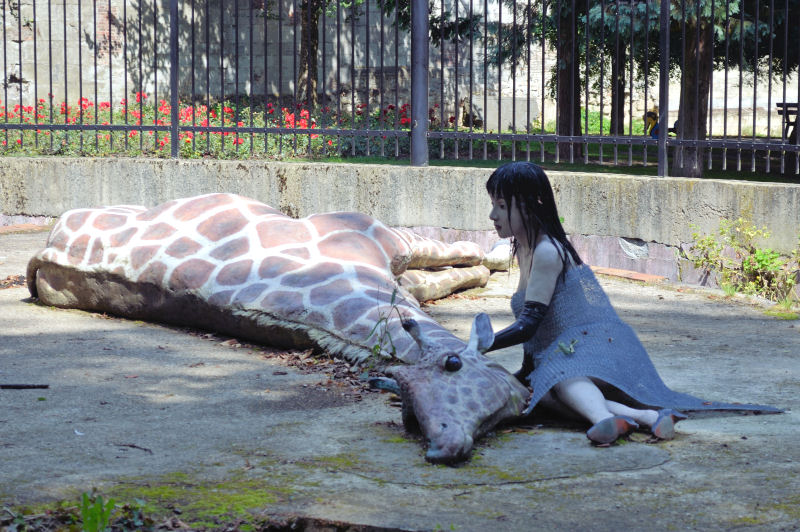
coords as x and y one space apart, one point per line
412 327
482 335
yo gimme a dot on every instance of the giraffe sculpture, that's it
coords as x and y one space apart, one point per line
337 282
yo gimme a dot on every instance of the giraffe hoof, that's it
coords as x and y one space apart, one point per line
664 427
607 431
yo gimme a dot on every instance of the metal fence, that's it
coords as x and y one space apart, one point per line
680 87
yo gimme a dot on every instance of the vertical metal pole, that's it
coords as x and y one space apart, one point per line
419 83
663 92
173 76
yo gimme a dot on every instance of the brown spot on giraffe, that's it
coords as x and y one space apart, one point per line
96 255
231 249
313 275
284 302
59 241
301 253
76 220
353 247
350 310
275 233
159 231
322 296
235 273
183 247
155 212
259 209
275 266
140 255
249 293
122 238
197 206
222 298
153 273
190 275
77 249
222 224
341 221
106 222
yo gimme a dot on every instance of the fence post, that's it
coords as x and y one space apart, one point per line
173 76
419 83
663 92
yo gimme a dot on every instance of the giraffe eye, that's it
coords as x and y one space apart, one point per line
452 363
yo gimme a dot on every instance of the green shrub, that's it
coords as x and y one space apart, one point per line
732 253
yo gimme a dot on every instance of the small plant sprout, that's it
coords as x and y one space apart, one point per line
384 342
95 512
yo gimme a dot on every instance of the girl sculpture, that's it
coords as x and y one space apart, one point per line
578 354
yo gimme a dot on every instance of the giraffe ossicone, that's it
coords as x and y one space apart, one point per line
237 266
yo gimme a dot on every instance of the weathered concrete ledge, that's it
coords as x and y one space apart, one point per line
653 216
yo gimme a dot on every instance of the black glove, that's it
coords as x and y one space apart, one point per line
523 329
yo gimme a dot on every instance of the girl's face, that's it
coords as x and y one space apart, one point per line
508 219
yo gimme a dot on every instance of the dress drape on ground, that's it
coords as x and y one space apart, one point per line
581 335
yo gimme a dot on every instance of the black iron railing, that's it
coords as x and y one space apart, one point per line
677 86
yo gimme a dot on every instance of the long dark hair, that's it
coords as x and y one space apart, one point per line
528 186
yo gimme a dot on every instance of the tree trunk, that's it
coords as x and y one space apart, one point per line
695 89
568 121
309 13
617 126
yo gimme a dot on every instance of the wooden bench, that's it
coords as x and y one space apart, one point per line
789 112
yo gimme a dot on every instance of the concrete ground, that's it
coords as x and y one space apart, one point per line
204 429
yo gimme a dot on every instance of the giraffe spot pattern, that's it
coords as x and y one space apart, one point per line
183 247
338 221
153 273
158 231
302 253
194 208
122 238
275 266
190 275
222 298
151 214
352 247
249 293
222 224
142 254
76 220
327 294
369 278
284 302
314 275
275 233
235 273
96 255
77 249
59 241
350 310
232 249
106 222
260 209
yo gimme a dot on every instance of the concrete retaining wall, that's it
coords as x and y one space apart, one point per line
652 215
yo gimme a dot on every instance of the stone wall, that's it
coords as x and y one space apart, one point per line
632 222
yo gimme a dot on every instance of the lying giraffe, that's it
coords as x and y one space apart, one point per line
337 282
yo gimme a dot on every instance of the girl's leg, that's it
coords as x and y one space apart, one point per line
584 397
643 417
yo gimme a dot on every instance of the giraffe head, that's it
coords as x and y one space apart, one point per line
456 396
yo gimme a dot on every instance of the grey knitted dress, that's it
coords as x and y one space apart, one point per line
582 336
